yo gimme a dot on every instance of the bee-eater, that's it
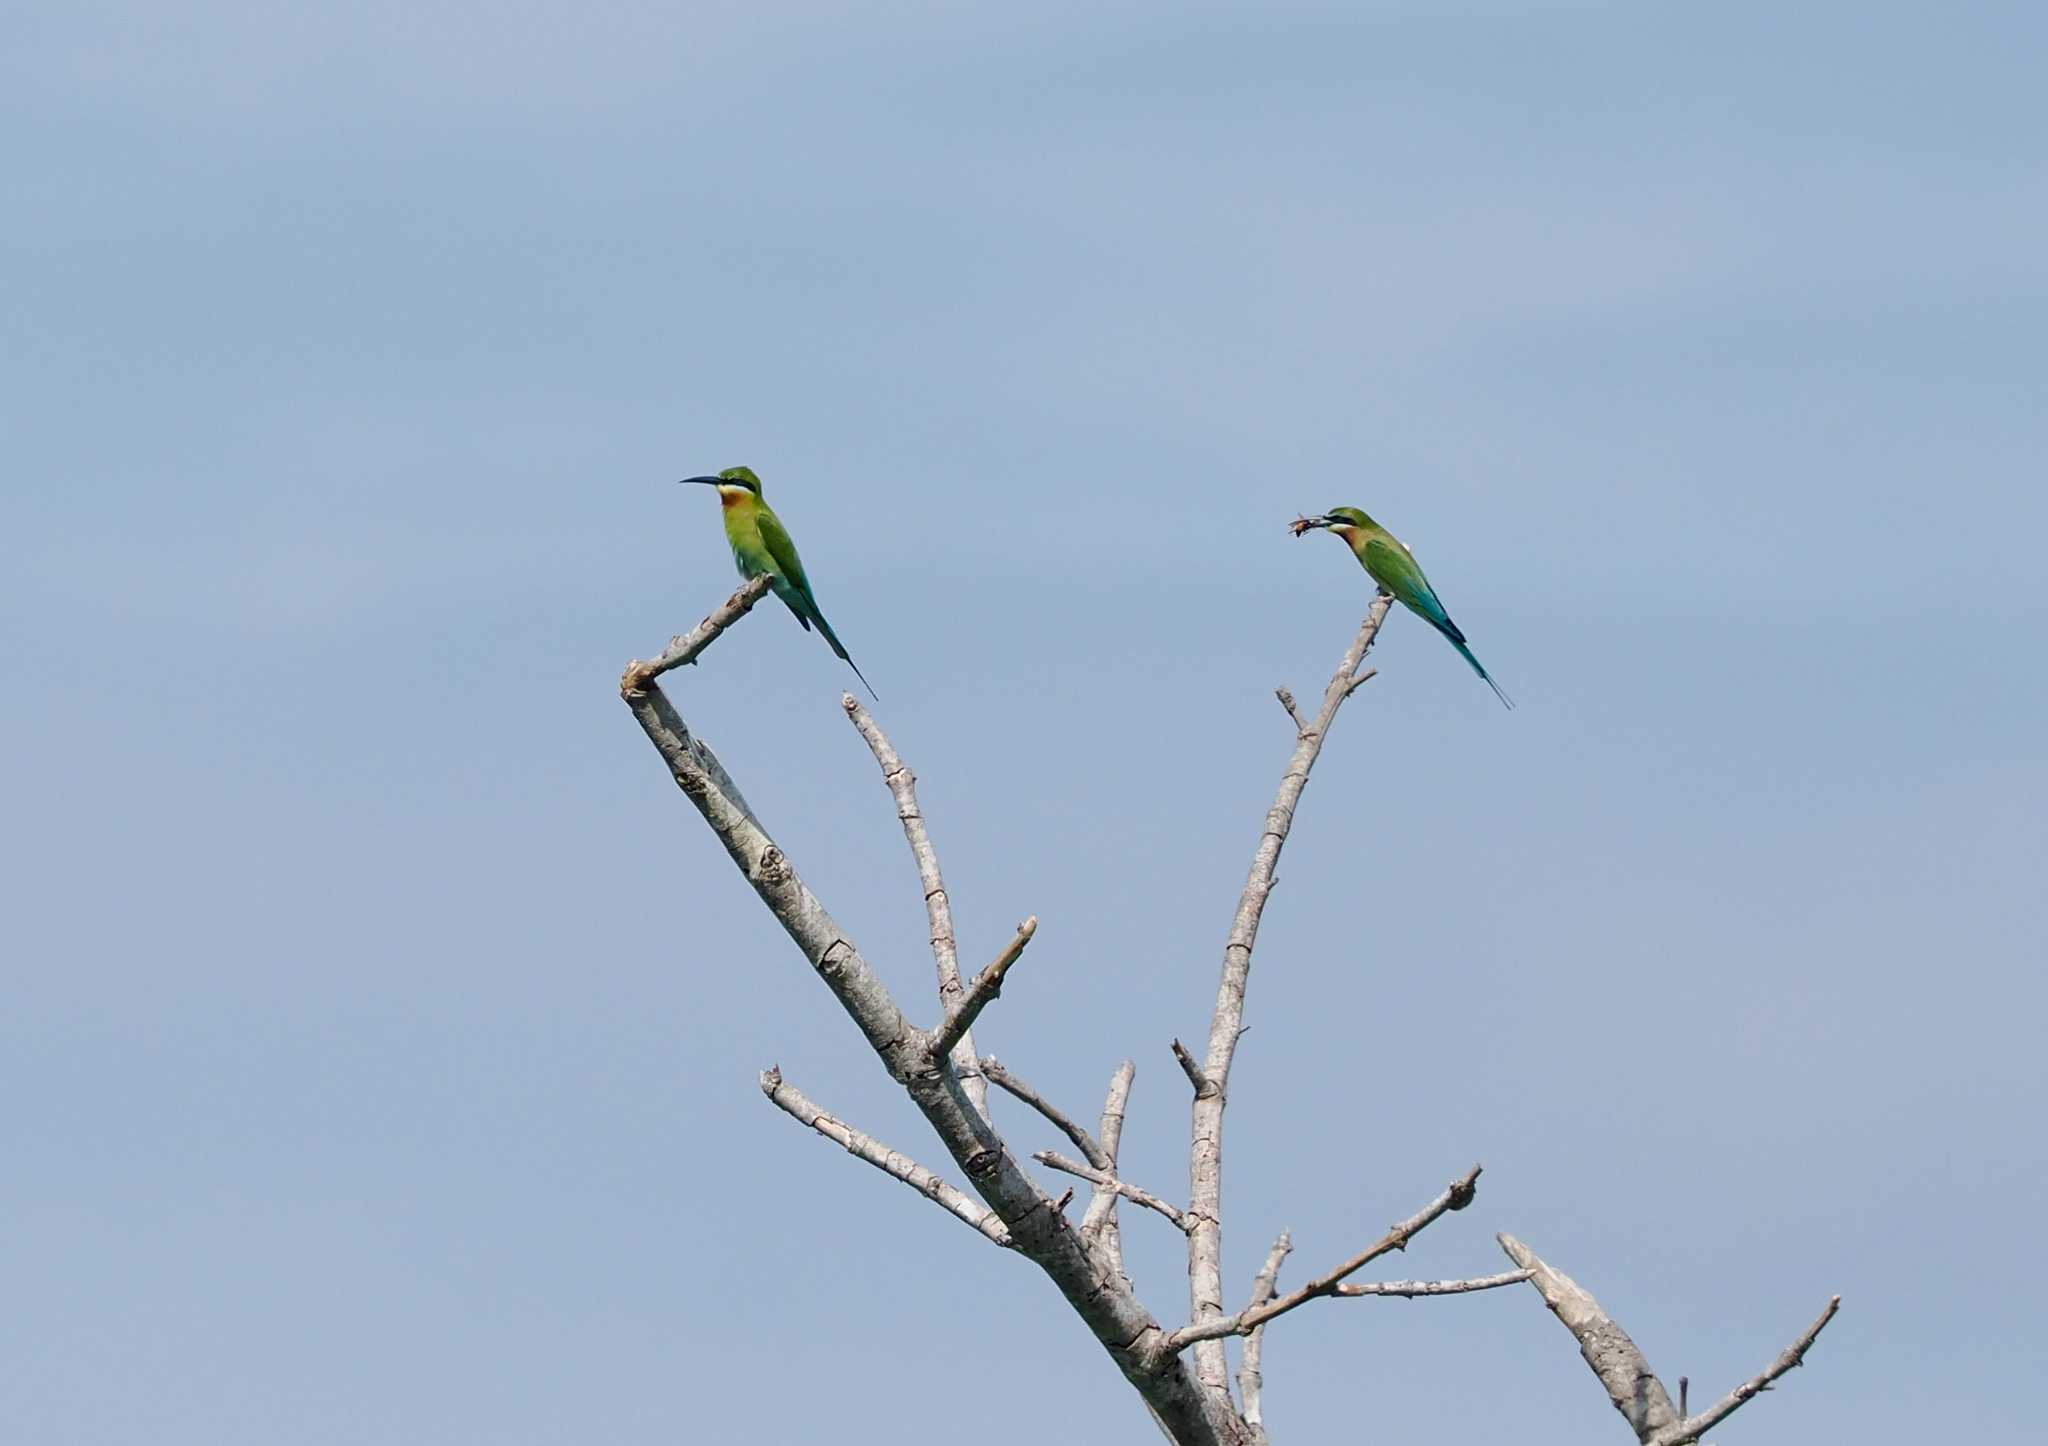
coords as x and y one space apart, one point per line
761 544
1389 562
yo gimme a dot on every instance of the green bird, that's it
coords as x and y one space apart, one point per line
1395 569
760 544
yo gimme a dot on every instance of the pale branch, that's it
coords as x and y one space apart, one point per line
1456 1196
1102 1299
1205 1130
890 1162
1409 1289
1250 1381
1189 1399
987 985
1099 1223
1360 681
1613 1357
1100 1158
684 647
1109 1182
938 907
1693 1427
1202 1083
901 1044
1620 1367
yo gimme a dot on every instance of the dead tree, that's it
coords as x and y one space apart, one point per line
1180 1372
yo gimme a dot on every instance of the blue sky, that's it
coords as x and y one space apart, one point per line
381 1037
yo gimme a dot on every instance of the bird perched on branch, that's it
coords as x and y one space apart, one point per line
760 544
1389 562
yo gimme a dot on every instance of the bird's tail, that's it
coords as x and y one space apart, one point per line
840 648
1459 644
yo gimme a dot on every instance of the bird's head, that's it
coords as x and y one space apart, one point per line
734 484
1340 520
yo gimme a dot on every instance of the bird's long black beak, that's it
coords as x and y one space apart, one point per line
707 481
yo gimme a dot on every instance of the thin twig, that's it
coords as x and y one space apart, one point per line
684 647
1456 1196
1097 1155
1286 698
1693 1427
890 1162
1250 1380
1204 1087
938 908
986 986
1205 1129
1409 1289
1100 1220
1129 1191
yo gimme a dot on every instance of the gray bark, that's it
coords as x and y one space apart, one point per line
946 1081
1037 1230
1615 1360
1226 1023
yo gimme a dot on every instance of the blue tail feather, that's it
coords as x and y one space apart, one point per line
1467 652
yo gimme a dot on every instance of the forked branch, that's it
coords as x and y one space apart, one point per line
1615 1360
1456 1196
939 1071
1695 1426
1037 1230
1212 1077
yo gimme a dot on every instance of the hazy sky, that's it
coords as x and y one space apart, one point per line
381 1029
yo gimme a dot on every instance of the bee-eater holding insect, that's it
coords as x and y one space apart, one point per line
760 544
1389 562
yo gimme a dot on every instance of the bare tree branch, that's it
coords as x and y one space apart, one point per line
1205 1132
1099 1223
1250 1382
1189 1399
938 905
1693 1427
1614 1358
1203 1085
1409 1289
1456 1196
890 1162
1103 1300
684 647
1109 1182
987 985
1100 1158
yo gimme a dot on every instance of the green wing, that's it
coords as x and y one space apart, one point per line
1396 570
795 589
793 586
